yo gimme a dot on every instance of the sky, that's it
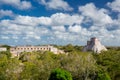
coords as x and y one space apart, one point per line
61 22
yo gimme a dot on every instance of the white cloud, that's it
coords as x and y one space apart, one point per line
79 30
62 28
57 4
17 3
6 13
64 36
32 21
7 27
98 16
76 29
15 37
57 19
4 37
75 35
66 19
27 28
115 5
59 28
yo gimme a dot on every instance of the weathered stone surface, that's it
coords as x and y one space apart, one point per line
3 49
18 49
94 45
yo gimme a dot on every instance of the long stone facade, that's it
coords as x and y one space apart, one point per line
94 45
3 49
18 49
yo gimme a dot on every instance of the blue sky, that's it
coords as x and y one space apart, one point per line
33 22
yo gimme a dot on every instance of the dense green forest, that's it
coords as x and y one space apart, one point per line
74 65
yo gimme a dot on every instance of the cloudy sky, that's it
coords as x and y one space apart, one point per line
61 22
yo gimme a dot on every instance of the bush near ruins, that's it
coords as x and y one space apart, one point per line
60 74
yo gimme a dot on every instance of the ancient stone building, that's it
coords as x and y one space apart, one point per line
94 45
3 49
18 49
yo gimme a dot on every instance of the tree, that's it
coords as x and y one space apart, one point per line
79 64
109 61
60 74
30 72
9 68
102 75
3 64
68 48
7 53
7 46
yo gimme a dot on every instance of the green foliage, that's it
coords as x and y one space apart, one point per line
102 75
30 72
5 53
6 46
68 48
28 56
3 61
77 63
78 48
110 62
9 68
41 64
114 48
60 74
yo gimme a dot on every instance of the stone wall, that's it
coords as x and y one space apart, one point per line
18 49
3 49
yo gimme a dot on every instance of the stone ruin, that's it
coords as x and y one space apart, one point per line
94 45
18 49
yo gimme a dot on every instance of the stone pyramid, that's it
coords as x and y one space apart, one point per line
94 45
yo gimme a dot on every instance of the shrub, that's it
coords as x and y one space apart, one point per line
60 74
102 75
